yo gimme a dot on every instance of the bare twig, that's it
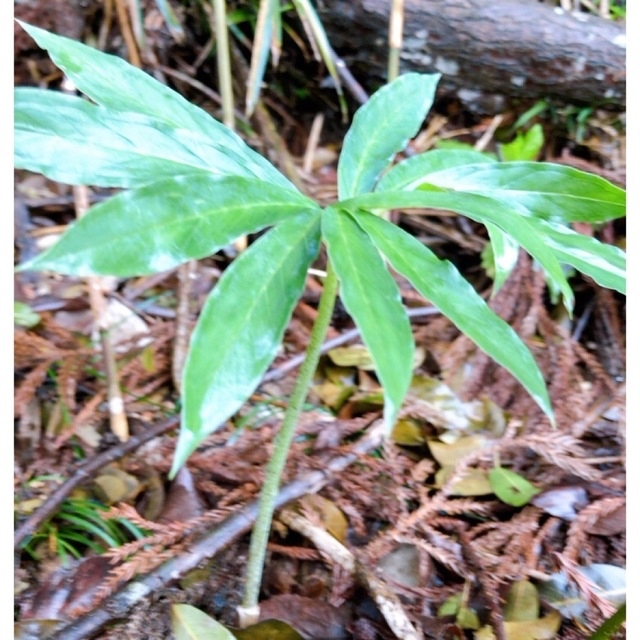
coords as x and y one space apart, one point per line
117 415
387 601
482 143
312 142
347 77
345 337
396 24
127 33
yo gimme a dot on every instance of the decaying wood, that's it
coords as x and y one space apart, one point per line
514 48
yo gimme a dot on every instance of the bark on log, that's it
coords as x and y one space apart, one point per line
513 48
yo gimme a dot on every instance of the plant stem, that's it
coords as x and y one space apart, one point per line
224 63
249 610
396 24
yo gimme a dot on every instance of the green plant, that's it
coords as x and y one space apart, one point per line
193 186
78 526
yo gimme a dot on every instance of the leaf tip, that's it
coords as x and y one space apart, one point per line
29 265
185 447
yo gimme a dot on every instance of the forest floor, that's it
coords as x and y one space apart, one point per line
419 514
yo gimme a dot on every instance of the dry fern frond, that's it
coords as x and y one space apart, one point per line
26 390
561 450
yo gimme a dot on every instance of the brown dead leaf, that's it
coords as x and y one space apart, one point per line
183 500
312 618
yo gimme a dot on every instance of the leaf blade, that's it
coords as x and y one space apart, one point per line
550 191
189 623
412 170
511 487
139 232
372 298
381 128
505 255
113 83
247 329
125 150
508 216
605 263
445 287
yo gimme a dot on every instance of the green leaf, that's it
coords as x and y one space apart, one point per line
241 327
611 624
508 216
158 226
372 298
504 250
605 263
71 140
24 316
412 171
114 83
382 127
549 191
443 285
189 623
525 146
511 487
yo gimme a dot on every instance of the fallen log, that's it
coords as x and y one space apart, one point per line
512 48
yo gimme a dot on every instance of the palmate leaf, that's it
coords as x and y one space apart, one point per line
381 128
372 298
549 191
115 84
163 224
512 218
443 285
241 327
71 140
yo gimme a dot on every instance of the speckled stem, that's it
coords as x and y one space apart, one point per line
260 536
